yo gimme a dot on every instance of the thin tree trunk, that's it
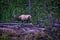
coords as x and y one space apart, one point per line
49 17
30 7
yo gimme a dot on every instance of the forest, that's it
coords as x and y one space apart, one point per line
45 14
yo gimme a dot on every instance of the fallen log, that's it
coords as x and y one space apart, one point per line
8 31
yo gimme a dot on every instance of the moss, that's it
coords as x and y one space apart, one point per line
4 37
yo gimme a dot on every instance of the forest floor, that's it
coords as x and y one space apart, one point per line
17 31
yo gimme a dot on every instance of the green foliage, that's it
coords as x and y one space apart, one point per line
8 7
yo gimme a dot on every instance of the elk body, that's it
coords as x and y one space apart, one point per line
23 17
